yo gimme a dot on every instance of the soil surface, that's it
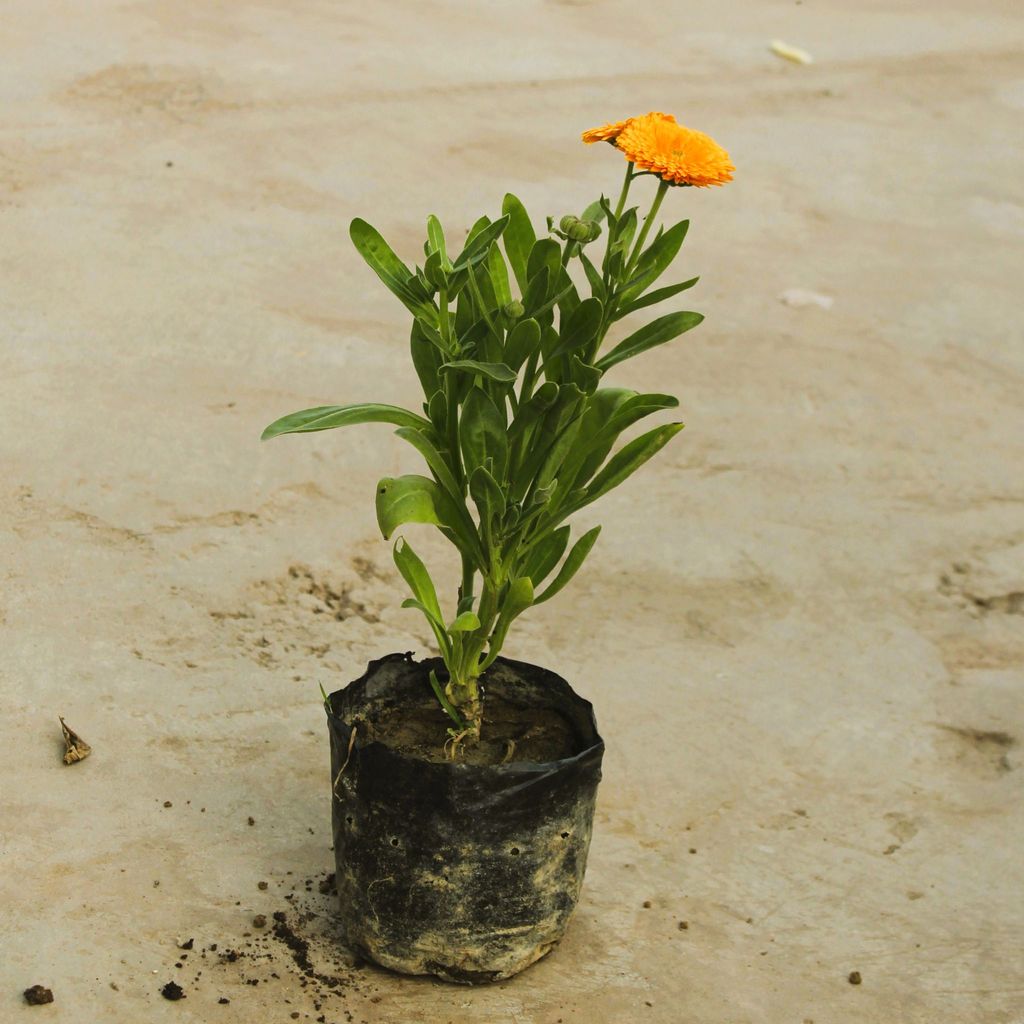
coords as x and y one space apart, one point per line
509 733
801 625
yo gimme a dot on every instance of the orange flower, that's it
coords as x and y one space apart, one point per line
677 154
606 133
610 132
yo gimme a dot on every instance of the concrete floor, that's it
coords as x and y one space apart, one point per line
801 628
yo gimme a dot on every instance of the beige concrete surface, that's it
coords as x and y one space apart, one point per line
802 626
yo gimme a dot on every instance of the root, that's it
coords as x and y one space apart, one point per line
348 755
451 745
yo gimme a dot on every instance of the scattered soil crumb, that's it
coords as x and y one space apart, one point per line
252 820
167 803
262 885
37 995
854 977
684 926
187 944
259 921
648 904
173 991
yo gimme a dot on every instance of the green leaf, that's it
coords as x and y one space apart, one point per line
442 698
408 499
518 239
426 359
651 298
327 417
593 276
435 238
535 296
436 623
546 254
492 371
561 445
433 458
595 211
541 561
489 500
585 376
434 272
656 260
482 433
568 298
467 622
414 572
571 565
498 273
437 410
392 271
550 442
657 332
580 329
473 337
599 435
625 228
478 244
524 427
627 461
521 342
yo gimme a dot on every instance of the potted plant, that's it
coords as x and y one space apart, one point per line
464 784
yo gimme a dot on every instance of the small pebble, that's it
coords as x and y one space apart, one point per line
261 885
684 926
252 820
167 803
647 904
223 1000
259 921
854 977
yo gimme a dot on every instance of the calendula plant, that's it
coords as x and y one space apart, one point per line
518 428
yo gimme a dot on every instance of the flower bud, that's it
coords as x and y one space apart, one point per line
513 310
577 230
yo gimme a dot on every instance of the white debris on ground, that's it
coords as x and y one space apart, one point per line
791 53
800 298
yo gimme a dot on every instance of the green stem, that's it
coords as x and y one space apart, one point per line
625 190
663 187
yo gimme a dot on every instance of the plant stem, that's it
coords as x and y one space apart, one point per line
625 191
663 187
